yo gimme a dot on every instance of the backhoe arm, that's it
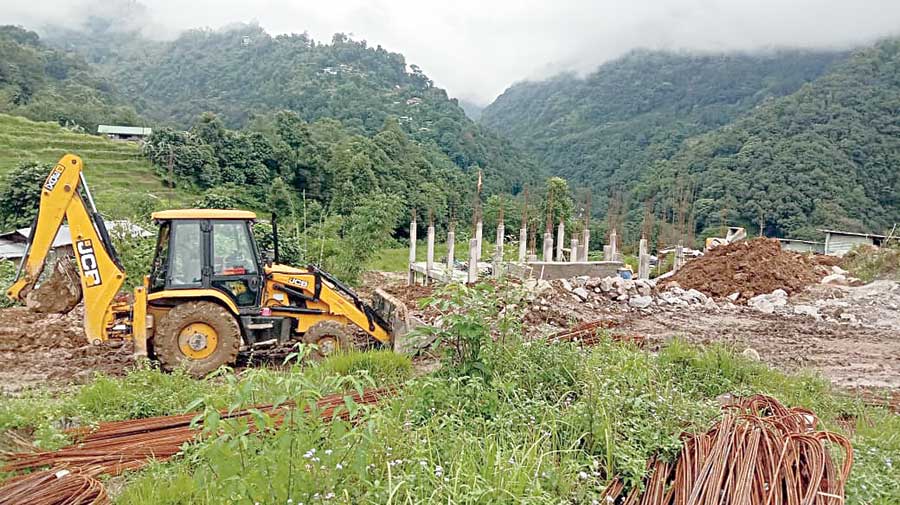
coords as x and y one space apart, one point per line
100 272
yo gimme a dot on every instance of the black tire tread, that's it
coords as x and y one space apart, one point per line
165 342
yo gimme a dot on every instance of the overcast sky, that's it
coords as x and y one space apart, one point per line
477 48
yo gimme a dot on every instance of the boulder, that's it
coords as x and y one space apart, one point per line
839 271
807 310
733 297
694 296
606 284
640 302
566 284
838 279
581 293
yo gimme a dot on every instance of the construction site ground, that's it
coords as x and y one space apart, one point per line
41 350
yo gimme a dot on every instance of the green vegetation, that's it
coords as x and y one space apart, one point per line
869 263
242 72
789 140
47 84
111 168
503 421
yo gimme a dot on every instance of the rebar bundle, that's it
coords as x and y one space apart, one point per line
760 453
115 447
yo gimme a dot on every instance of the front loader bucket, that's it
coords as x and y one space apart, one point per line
395 314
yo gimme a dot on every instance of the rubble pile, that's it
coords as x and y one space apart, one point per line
743 270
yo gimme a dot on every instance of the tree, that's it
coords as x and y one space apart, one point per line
20 194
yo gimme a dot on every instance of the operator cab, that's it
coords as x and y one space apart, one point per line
208 249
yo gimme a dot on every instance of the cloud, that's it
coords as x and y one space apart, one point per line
476 49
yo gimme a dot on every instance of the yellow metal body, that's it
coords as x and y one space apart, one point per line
102 278
333 306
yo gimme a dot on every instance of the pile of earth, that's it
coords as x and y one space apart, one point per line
748 268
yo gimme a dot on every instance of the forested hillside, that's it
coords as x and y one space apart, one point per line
605 130
825 156
243 72
46 84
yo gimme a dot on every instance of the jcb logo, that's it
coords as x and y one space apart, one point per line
53 178
299 282
88 260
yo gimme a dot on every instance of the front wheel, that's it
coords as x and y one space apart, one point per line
330 337
199 336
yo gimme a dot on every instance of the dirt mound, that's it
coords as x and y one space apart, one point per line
51 349
750 268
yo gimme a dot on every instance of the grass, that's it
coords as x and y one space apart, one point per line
542 423
113 169
869 263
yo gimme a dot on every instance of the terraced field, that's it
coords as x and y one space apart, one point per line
114 170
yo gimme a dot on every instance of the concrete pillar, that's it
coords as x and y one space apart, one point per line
451 250
548 246
498 250
560 238
573 255
613 246
643 260
679 257
585 244
478 234
523 245
412 252
607 253
473 261
429 255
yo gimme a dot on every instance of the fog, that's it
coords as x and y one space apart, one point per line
475 49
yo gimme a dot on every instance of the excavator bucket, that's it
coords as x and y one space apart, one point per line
59 292
395 314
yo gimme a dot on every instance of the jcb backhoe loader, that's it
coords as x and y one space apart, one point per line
208 292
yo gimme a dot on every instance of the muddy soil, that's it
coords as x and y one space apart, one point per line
851 357
51 350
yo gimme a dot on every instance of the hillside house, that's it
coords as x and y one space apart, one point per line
125 133
839 243
802 246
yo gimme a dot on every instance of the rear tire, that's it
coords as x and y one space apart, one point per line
331 337
199 336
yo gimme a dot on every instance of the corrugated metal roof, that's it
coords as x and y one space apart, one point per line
63 237
11 250
124 130
853 233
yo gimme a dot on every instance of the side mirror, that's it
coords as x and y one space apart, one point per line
268 257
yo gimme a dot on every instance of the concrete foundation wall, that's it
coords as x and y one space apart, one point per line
554 270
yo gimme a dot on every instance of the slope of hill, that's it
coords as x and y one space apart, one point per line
113 169
243 72
825 156
46 84
606 129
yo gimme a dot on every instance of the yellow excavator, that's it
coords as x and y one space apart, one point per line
208 293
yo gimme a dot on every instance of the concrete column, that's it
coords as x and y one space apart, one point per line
613 246
412 252
523 244
429 255
679 257
473 261
643 260
501 238
478 234
585 244
560 238
548 246
451 250
607 253
573 255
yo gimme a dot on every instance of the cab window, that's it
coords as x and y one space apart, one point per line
159 268
233 252
187 254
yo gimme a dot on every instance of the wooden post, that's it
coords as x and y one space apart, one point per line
548 246
643 260
560 238
573 255
473 261
412 252
523 246
429 255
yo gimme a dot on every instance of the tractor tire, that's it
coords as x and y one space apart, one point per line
330 337
199 336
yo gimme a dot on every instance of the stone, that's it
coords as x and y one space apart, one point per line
694 296
621 298
566 284
839 271
582 280
676 290
751 353
606 284
807 310
629 285
581 293
838 279
597 290
640 302
733 297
